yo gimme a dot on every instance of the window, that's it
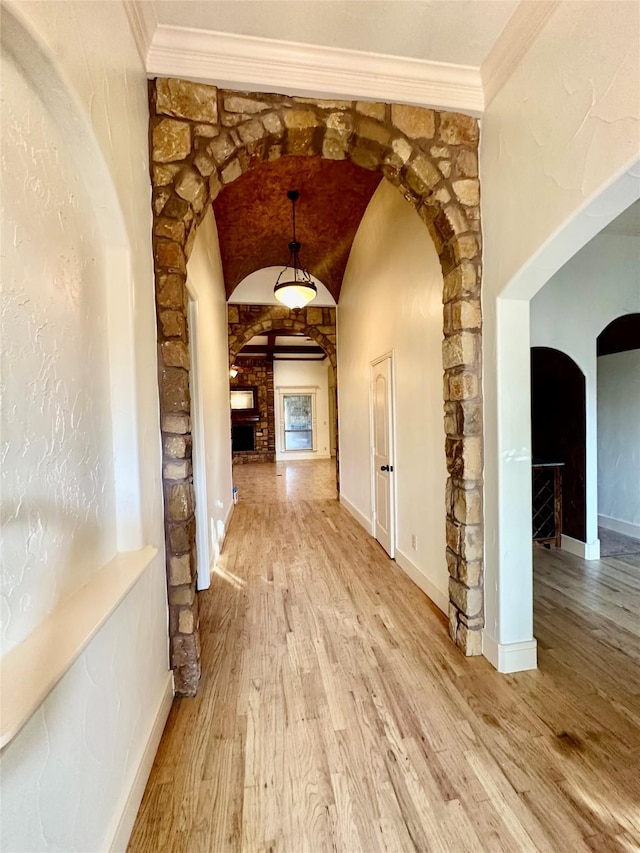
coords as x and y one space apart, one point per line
298 419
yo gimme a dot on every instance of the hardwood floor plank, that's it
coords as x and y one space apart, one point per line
335 714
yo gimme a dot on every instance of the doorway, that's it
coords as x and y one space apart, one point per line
558 432
382 453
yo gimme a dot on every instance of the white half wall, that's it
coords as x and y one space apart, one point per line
558 162
600 283
619 441
206 283
303 374
376 316
76 145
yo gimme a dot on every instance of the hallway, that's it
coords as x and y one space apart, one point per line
335 714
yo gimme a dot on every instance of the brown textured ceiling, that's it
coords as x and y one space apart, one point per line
253 216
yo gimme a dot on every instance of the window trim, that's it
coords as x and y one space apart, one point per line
298 391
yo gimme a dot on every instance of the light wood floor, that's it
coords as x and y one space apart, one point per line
335 714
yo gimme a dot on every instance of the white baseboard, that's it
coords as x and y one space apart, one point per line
440 599
219 545
296 455
510 657
627 528
227 519
133 797
586 550
355 512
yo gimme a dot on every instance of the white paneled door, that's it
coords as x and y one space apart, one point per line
382 445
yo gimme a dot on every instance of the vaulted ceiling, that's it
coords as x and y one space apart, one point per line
253 216
435 53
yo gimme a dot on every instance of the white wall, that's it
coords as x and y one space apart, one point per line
59 517
304 374
558 161
376 315
77 191
619 441
206 283
601 282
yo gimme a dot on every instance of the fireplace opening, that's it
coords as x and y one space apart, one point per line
242 437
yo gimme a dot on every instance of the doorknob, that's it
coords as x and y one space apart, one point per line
386 467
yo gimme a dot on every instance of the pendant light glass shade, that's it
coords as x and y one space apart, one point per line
299 290
295 294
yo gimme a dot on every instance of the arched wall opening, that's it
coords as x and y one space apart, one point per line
203 139
249 321
70 404
508 639
558 429
84 602
555 171
618 448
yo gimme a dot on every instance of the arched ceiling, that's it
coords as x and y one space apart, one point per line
253 217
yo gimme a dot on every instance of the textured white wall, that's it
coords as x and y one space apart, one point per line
601 282
391 299
206 280
59 520
302 374
66 776
560 132
619 437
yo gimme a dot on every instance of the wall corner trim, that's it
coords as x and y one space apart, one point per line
510 657
134 793
142 23
520 32
439 598
355 513
585 550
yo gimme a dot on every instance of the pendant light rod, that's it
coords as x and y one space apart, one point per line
294 246
301 290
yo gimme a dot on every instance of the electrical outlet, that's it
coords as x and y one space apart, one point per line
414 541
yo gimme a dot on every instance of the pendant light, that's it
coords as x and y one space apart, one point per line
295 292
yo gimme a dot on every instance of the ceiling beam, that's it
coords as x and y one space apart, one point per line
271 346
272 349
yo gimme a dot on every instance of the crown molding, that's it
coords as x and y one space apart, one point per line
521 31
143 23
268 65
273 65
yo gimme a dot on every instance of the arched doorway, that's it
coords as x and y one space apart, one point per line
204 139
558 429
618 445
249 323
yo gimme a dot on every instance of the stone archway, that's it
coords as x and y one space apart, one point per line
247 321
318 323
203 138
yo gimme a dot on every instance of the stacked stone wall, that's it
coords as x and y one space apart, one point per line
203 138
245 321
258 372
